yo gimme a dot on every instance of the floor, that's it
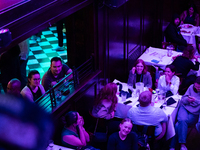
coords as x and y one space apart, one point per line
41 52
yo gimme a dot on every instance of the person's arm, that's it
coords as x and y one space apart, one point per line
75 141
174 85
149 80
46 83
196 65
111 143
173 34
101 111
134 141
67 71
26 94
182 16
71 75
163 124
81 123
130 77
160 82
42 89
197 20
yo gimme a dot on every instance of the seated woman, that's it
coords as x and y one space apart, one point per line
106 101
34 89
169 82
183 66
124 139
139 73
190 16
188 114
74 135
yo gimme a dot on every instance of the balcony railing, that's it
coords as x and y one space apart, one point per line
65 88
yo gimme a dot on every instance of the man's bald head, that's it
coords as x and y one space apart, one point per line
145 98
14 87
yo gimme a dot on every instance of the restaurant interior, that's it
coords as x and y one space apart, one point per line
110 35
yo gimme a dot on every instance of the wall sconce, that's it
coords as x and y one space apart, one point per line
5 37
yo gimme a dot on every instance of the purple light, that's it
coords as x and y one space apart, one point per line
4 31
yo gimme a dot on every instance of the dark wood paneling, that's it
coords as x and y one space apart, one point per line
32 23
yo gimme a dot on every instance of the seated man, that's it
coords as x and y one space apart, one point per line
56 72
14 87
173 35
146 114
188 114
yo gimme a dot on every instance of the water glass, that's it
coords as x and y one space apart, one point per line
161 96
51 144
123 96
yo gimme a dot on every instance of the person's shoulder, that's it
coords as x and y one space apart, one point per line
162 77
176 77
159 111
191 86
132 110
47 73
114 135
132 135
65 66
25 89
147 73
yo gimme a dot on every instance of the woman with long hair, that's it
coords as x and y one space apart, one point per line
190 16
124 139
139 73
105 103
33 90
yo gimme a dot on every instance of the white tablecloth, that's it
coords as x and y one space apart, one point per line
57 147
171 111
158 57
189 33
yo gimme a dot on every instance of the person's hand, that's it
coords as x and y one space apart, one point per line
53 83
80 121
168 80
196 58
133 70
112 114
191 99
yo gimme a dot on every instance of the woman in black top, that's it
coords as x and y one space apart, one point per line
183 66
124 139
34 89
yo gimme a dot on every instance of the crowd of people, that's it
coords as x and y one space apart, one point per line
33 88
172 32
176 76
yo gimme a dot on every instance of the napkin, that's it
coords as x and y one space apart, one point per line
169 93
170 101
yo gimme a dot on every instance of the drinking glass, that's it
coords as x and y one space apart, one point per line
123 96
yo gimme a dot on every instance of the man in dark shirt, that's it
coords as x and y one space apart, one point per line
56 72
173 35
183 66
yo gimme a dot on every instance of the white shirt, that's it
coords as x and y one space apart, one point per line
173 87
148 116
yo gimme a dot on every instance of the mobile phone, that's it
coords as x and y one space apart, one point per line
127 102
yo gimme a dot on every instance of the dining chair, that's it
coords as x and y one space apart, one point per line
165 44
99 129
145 136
